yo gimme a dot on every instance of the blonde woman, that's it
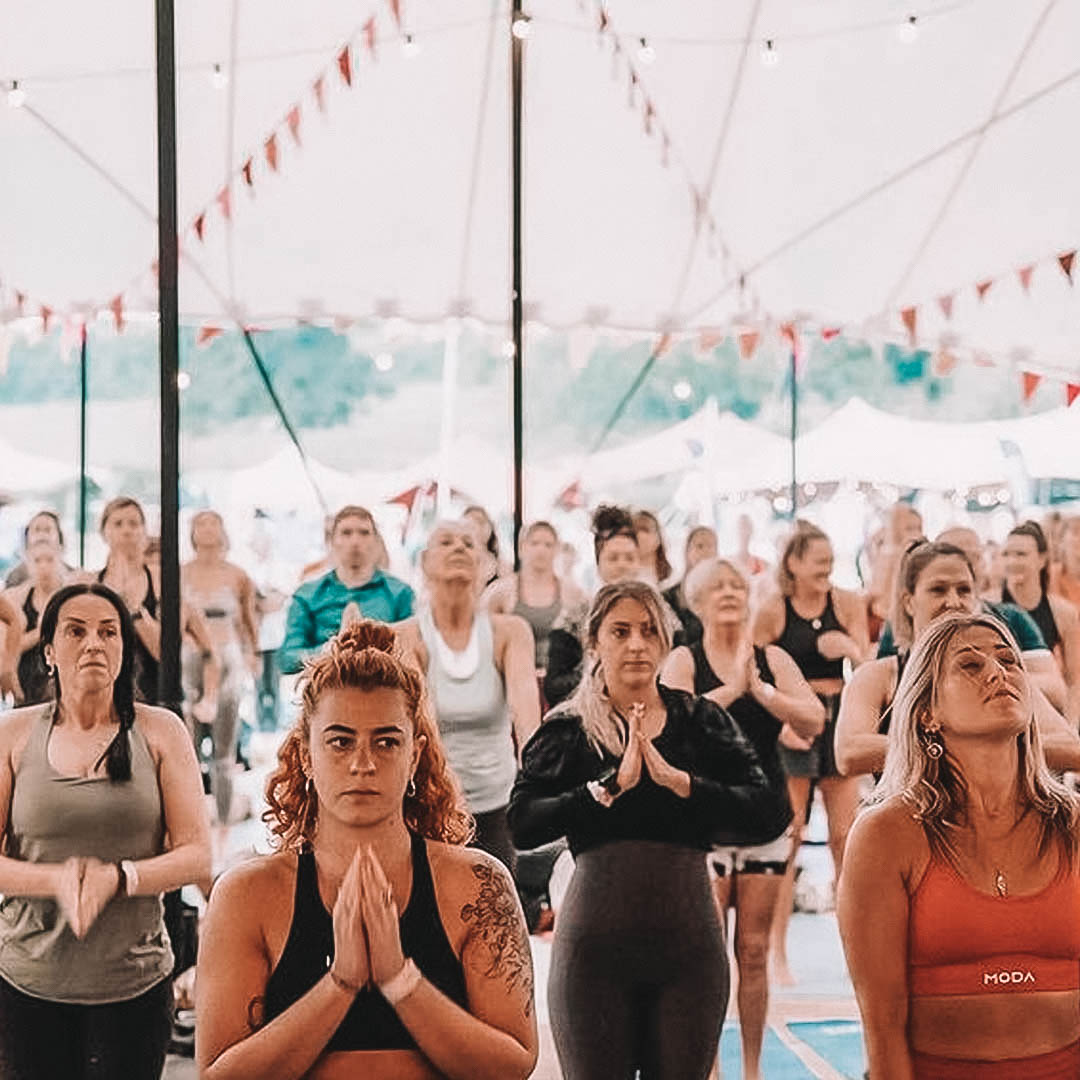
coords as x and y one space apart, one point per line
642 780
959 903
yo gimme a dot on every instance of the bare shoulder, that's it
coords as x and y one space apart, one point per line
460 872
1064 611
889 837
847 600
161 728
509 626
255 883
874 677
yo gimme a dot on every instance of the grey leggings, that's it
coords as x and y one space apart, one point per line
225 730
639 973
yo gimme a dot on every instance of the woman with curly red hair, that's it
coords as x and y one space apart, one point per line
373 941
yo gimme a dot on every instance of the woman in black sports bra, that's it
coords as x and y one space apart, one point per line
763 691
1027 577
820 627
45 566
373 943
123 525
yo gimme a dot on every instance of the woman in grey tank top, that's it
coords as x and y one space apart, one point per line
481 678
93 783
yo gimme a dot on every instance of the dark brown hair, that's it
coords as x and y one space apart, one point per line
804 534
1034 530
609 522
663 566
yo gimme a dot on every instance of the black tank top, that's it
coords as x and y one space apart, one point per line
760 727
1043 615
370 1023
33 674
146 667
885 719
800 636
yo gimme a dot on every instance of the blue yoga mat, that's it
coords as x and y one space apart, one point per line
839 1042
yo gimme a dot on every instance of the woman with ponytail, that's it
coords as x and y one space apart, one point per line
373 943
90 786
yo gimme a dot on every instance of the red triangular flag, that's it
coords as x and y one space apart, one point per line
1030 383
200 225
829 332
909 316
46 315
319 88
748 343
946 304
395 10
344 63
207 334
709 339
116 306
663 344
369 36
1024 274
944 362
1072 392
983 287
791 336
246 170
603 21
983 359
270 146
224 200
1066 263
292 118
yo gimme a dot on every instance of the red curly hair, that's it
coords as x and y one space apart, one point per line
366 655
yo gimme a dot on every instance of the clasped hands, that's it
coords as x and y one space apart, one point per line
83 886
367 939
641 753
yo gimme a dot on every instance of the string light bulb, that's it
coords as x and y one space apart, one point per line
682 390
384 361
410 47
908 30
183 380
646 53
16 95
770 54
219 78
521 27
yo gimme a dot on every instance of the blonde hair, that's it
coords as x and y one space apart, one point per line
798 543
702 579
366 656
604 728
934 788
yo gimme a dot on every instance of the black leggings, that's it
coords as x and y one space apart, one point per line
50 1040
639 973
493 836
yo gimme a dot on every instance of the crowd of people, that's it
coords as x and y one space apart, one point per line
667 735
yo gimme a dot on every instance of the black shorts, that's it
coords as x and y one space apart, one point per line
819 762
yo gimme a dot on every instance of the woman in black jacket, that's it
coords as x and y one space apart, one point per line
642 780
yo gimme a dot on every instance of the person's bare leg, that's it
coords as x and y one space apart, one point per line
721 887
755 905
799 793
841 797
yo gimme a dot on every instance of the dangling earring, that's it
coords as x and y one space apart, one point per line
50 667
309 788
932 744
410 788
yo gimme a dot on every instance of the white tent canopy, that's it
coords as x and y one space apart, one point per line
858 175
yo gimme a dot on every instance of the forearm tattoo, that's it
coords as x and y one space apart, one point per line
256 1013
494 920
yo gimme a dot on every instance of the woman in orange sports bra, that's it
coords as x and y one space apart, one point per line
959 902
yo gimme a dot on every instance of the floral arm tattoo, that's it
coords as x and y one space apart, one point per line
494 920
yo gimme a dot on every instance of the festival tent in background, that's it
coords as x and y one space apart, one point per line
891 172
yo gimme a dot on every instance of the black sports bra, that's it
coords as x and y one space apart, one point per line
371 1022
1042 614
799 640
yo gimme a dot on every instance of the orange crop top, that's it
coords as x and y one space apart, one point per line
963 941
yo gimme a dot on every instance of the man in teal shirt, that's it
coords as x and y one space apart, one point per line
354 589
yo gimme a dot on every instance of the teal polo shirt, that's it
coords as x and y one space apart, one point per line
315 612
1020 623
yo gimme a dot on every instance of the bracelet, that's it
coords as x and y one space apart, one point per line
402 984
130 877
341 984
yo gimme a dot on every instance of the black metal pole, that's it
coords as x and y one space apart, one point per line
169 693
794 433
82 445
517 57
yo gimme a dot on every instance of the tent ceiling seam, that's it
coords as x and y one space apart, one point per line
969 160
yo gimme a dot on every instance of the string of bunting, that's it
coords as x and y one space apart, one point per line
288 128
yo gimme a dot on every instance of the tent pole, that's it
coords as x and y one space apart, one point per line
82 445
517 58
794 432
169 693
